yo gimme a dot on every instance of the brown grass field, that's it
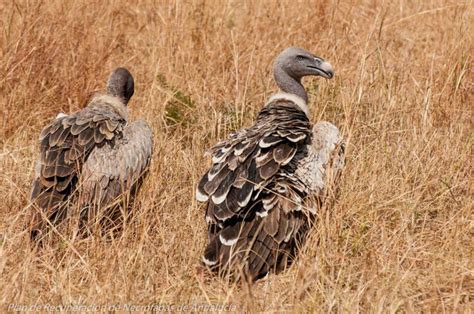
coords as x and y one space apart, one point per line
398 239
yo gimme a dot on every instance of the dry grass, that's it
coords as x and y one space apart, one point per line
400 237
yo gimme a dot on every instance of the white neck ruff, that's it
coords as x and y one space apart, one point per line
291 97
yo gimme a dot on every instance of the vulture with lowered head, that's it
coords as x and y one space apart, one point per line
90 158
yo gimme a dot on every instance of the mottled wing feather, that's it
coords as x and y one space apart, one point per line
64 146
245 164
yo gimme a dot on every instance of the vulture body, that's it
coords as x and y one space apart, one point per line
267 181
90 158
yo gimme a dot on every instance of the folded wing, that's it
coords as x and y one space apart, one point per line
65 145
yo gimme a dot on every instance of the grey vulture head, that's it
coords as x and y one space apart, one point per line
120 84
293 64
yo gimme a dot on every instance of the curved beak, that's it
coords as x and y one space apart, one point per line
322 68
326 70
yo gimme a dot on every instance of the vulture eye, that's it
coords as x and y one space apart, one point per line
301 58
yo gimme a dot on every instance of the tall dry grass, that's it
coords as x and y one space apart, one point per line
400 237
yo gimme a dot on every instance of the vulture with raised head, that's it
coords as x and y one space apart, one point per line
90 158
267 181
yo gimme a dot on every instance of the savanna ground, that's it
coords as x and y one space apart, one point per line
400 236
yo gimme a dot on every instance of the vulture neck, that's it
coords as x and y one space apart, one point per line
115 102
289 84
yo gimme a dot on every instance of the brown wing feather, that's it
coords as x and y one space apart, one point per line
252 156
64 146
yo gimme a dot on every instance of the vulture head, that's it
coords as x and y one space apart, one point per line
297 62
120 84
294 63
